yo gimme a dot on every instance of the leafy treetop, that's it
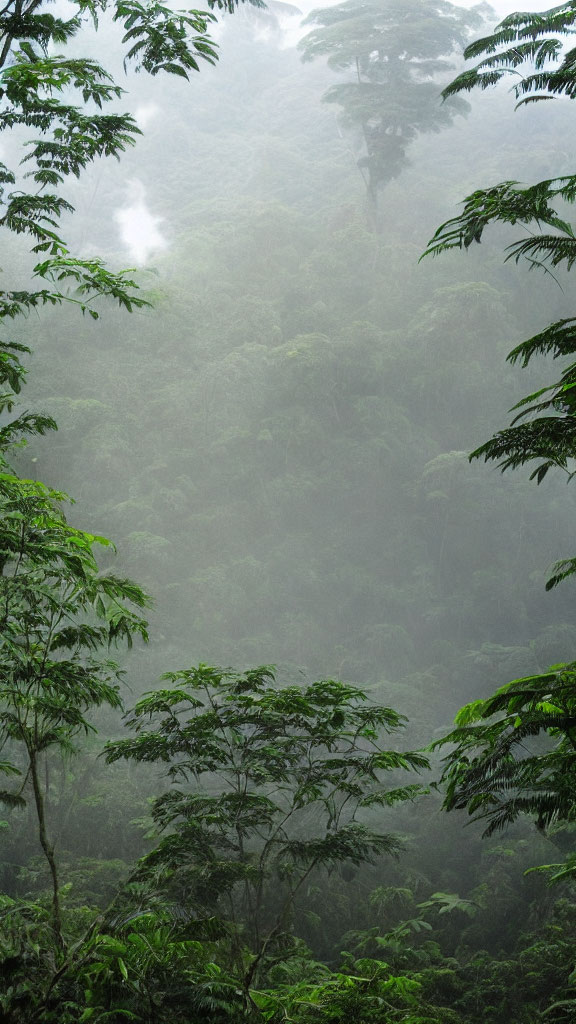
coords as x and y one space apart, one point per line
267 785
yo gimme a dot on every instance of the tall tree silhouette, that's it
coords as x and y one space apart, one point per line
395 49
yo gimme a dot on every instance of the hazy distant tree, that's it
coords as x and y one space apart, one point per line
396 50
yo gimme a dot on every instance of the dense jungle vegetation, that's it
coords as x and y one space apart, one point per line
272 417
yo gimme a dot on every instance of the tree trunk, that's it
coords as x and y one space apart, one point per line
48 850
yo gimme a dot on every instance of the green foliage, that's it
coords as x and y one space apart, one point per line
146 968
547 439
38 87
295 766
163 40
524 38
359 993
510 204
497 770
448 902
151 967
